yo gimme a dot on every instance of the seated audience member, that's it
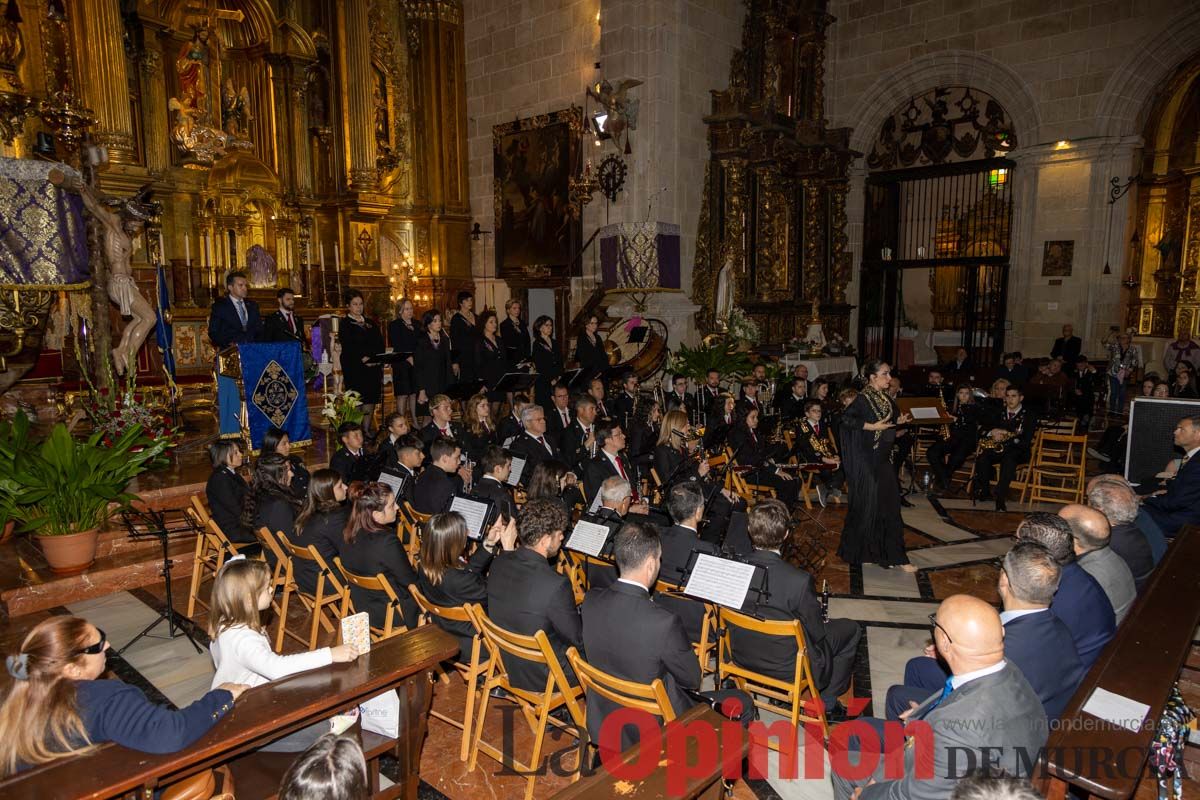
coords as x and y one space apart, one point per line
226 490
1088 383
1113 497
628 635
350 461
1080 601
241 651
831 645
526 594
442 479
493 483
332 769
992 784
276 440
1183 385
372 548
448 578
1169 509
56 706
534 444
1091 537
320 523
270 503
986 712
960 363
1014 372
410 455
1035 641
395 428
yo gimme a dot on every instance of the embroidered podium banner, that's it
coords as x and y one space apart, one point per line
273 383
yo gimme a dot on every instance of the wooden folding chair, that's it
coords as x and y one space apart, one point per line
1056 474
759 685
412 523
705 648
751 492
212 549
648 697
535 705
324 605
470 672
376 583
572 564
281 567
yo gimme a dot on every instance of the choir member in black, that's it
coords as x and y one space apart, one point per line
431 363
441 423
579 439
558 413
403 333
679 397
813 446
514 334
350 461
284 324
269 502
589 348
442 479
395 428
751 450
711 389
372 548
491 361
874 531
360 340
722 416
479 433
643 434
320 523
1008 443
547 361
611 460
597 393
792 406
463 334
276 440
496 466
551 480
510 427
625 403
449 579
749 401
951 451
226 490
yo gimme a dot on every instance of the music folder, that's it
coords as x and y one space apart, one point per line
393 480
588 538
720 580
515 382
514 472
388 357
476 511
924 410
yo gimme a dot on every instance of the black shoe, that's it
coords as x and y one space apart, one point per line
500 693
905 504
838 713
563 714
1000 505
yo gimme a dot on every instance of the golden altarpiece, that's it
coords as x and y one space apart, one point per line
772 236
314 144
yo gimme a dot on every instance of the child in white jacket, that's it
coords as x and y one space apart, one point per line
240 645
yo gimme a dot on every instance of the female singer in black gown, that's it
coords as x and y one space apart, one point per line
360 340
491 359
546 360
873 532
462 338
589 349
431 367
402 338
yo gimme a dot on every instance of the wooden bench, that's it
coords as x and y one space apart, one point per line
261 715
700 781
1142 662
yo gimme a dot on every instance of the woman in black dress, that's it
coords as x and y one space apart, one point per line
276 440
431 367
491 361
546 360
589 349
873 532
462 338
403 333
643 434
719 421
750 450
360 340
321 522
480 433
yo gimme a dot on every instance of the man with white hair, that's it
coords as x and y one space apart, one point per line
534 444
1113 497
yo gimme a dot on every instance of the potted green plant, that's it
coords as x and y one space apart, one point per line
695 362
62 490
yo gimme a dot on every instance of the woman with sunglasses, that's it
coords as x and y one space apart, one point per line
57 706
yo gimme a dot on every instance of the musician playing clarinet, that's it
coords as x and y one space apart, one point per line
1009 443
958 442
625 403
814 446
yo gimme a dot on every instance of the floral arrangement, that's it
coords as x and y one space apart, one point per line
115 414
740 328
343 407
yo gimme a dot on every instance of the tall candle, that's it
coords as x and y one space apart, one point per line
308 254
187 250
162 250
322 254
337 258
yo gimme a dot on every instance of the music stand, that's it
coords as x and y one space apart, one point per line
582 379
152 523
515 382
388 357
570 376
638 334
462 392
758 583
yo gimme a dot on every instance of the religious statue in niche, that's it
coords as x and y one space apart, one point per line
263 273
724 303
191 130
191 66
235 110
122 222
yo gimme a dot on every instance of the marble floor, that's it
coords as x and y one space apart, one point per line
956 547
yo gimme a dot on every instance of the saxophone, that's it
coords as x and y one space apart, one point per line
820 444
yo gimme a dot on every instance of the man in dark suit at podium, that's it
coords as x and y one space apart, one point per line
233 319
284 324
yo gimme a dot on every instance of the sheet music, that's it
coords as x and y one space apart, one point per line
394 482
719 580
514 474
588 537
474 512
924 412
595 506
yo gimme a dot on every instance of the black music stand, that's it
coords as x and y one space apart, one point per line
142 525
758 583
515 382
462 392
582 379
389 357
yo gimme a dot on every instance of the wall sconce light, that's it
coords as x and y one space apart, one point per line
1062 144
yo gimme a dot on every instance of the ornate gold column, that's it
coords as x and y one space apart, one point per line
104 80
1187 309
154 103
354 62
839 258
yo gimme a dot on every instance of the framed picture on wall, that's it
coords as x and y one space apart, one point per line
538 228
1057 258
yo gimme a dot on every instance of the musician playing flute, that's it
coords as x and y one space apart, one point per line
1009 443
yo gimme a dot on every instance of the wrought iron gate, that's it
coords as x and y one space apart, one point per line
947 226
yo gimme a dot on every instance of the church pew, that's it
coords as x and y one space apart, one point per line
692 780
261 715
1142 662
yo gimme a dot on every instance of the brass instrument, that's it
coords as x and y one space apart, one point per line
945 411
988 443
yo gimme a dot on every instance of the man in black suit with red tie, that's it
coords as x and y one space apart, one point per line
609 461
440 424
749 400
284 324
558 416
534 445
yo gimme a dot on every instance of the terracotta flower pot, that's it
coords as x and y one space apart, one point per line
70 553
